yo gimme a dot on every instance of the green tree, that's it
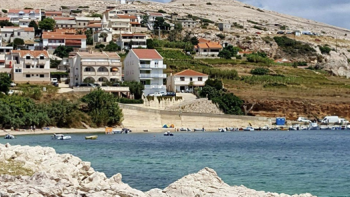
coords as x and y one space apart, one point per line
229 104
95 15
103 35
144 20
160 23
89 39
63 51
215 83
260 71
135 88
150 44
33 24
112 47
194 40
178 27
103 108
5 82
17 42
47 24
6 23
225 54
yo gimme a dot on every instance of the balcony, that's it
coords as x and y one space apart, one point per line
89 73
28 61
195 83
154 87
152 75
42 62
36 71
152 66
102 73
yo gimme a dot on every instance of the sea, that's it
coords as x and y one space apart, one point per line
291 162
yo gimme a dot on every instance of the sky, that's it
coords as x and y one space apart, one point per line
333 12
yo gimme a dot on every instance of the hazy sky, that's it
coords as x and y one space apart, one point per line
334 12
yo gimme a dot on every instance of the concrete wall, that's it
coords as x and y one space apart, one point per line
135 116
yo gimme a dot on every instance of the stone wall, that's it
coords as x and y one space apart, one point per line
161 104
152 118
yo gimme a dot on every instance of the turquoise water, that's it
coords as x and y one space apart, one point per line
275 161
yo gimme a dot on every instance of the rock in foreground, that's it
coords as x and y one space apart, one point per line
47 173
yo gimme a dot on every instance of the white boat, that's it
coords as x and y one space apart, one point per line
9 137
202 129
222 129
185 129
314 126
348 127
61 137
248 129
167 133
265 128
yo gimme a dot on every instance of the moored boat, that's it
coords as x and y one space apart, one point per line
314 126
202 129
248 129
91 137
9 137
167 133
61 137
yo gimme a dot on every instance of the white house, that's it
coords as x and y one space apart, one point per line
145 66
152 18
28 66
96 67
29 14
129 41
8 34
52 40
185 81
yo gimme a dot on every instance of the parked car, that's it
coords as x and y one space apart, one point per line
54 80
155 94
86 85
13 84
171 94
302 119
163 93
55 84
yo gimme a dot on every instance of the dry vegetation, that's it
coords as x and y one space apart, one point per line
14 168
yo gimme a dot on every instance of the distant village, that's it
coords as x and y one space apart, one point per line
30 39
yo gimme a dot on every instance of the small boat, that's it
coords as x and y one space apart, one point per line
168 134
324 127
314 126
61 137
222 129
336 128
265 128
202 129
348 127
185 129
91 137
248 129
9 137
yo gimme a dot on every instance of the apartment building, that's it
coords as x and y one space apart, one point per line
186 81
120 25
82 22
8 33
28 66
112 13
52 40
65 22
29 14
51 14
130 41
145 66
87 67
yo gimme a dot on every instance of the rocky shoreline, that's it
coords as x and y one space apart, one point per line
39 171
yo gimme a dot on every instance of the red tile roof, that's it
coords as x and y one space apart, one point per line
126 16
4 18
147 54
58 35
37 53
53 12
27 11
202 40
94 25
28 29
190 72
134 34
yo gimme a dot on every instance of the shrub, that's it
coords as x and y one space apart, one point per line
64 7
259 58
235 24
294 47
83 7
162 11
260 71
130 101
325 49
250 21
221 36
260 10
100 46
209 3
4 11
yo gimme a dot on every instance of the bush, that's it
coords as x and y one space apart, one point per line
294 47
325 49
161 11
259 58
209 3
4 11
221 36
130 101
100 46
64 7
260 71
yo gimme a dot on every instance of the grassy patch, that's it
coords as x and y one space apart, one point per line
14 168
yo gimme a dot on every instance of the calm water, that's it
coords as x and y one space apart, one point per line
276 161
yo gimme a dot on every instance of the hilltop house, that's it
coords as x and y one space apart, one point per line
145 66
94 67
52 40
28 14
130 41
207 48
185 81
28 66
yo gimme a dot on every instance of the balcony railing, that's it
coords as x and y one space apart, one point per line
42 62
28 61
102 73
154 86
89 73
152 66
152 75
195 83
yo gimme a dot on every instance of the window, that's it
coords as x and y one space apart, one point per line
41 57
88 69
18 70
27 76
27 66
28 57
18 33
182 78
41 76
200 79
41 66
156 63
5 35
190 78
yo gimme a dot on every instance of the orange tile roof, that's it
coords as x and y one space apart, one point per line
94 25
190 72
28 29
27 11
214 45
4 18
202 40
55 35
203 45
147 53
126 16
36 53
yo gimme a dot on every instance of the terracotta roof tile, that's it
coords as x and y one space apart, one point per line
63 18
214 45
27 11
56 35
126 16
28 29
147 54
4 18
94 25
37 53
202 45
190 72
